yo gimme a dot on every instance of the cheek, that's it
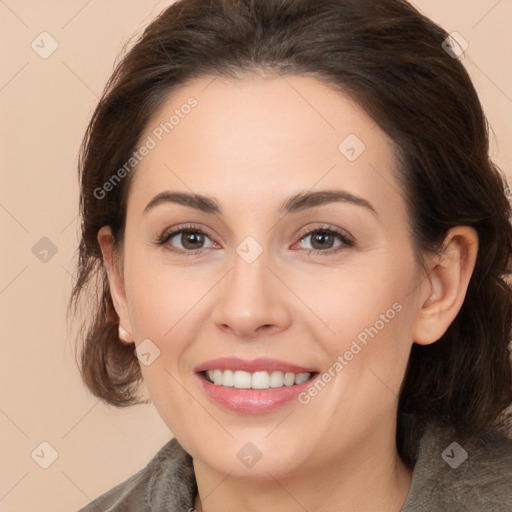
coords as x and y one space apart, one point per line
355 302
365 327
161 297
163 302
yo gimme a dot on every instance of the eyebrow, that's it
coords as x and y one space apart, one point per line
296 203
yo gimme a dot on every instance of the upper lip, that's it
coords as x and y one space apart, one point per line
260 364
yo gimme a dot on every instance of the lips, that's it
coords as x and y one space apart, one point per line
256 365
251 398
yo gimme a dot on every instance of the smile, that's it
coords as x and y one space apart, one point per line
240 379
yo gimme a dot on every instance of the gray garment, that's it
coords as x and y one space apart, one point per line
480 482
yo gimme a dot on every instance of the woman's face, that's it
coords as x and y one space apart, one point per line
306 262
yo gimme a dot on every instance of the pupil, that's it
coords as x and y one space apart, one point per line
322 236
194 237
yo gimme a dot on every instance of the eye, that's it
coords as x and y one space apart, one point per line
190 240
187 239
323 240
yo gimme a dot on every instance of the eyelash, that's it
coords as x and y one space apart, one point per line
348 242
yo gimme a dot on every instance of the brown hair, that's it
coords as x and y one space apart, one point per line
390 59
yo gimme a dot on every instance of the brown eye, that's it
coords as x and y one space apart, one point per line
187 239
191 239
323 241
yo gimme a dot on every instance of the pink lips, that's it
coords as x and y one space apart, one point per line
252 401
256 365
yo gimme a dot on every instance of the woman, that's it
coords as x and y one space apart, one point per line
302 249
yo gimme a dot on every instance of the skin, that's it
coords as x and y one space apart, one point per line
251 143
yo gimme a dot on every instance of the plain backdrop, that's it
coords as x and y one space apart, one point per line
45 104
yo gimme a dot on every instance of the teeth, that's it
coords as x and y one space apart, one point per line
257 380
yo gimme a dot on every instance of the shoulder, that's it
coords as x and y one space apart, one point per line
167 476
128 496
471 476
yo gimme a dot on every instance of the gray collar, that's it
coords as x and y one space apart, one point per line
447 476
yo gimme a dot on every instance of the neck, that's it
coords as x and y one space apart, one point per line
362 481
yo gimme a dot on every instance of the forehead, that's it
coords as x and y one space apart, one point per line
265 135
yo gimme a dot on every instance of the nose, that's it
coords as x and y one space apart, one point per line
251 300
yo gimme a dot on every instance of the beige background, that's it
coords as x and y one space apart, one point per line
45 105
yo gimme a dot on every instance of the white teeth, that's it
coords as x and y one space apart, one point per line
289 379
217 376
241 380
227 378
302 377
260 380
257 380
276 379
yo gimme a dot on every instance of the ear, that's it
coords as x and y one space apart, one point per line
116 283
446 285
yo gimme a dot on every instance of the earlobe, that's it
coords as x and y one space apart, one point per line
116 283
124 335
446 285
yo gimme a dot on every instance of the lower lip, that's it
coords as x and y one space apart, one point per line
253 401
